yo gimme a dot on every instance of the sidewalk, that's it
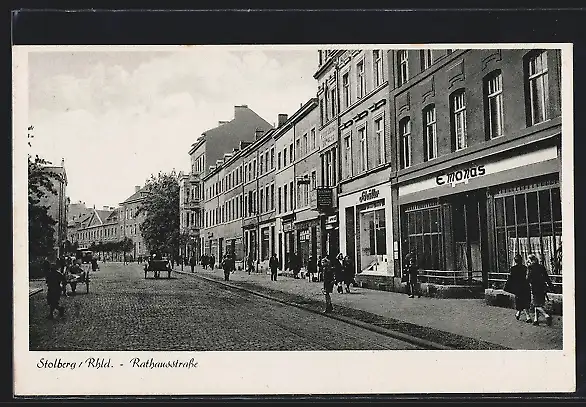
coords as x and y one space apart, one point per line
459 323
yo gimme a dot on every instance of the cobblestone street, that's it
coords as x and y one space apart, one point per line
125 311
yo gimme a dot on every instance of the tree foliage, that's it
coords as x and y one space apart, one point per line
40 223
160 227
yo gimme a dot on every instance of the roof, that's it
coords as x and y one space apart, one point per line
102 214
135 197
57 170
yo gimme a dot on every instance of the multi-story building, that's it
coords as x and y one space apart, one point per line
129 222
57 205
259 197
476 161
204 153
329 142
308 235
364 198
76 212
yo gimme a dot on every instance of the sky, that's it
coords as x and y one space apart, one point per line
118 116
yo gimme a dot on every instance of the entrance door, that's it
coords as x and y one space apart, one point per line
469 223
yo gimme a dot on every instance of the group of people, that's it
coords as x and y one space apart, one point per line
530 285
206 261
337 272
66 270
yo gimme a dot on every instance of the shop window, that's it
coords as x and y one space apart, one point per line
532 224
424 237
373 246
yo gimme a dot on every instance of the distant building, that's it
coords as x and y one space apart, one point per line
57 205
129 222
207 150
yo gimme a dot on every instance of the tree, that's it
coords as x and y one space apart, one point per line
40 223
160 227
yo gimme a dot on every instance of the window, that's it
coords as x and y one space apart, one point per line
363 148
272 196
403 68
267 199
379 128
537 86
423 235
459 138
346 87
360 80
291 153
430 134
285 157
426 58
333 101
254 169
292 195
279 201
405 140
272 158
493 99
285 198
279 161
528 222
326 104
313 179
297 148
305 145
321 111
267 161
260 166
348 156
312 139
377 67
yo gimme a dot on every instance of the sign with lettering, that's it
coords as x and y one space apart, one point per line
328 135
304 235
369 195
332 219
460 176
324 198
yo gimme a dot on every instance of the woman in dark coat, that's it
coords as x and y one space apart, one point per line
54 281
540 283
518 285
311 269
411 271
329 282
338 272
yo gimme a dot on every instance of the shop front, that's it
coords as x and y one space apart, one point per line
465 224
288 242
307 238
366 230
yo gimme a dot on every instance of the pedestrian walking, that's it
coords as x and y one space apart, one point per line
518 285
211 262
294 264
349 273
312 269
329 282
227 265
192 263
204 261
95 265
54 280
273 265
411 270
250 264
540 283
336 264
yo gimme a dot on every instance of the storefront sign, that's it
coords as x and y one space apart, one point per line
324 198
332 219
459 176
369 195
304 235
328 137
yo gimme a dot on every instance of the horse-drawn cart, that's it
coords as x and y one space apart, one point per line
79 271
157 266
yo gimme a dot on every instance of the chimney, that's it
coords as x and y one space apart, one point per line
282 119
63 162
136 188
238 110
258 133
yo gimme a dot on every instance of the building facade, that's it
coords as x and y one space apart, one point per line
205 152
477 161
130 221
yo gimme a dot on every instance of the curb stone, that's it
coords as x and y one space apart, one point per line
352 321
